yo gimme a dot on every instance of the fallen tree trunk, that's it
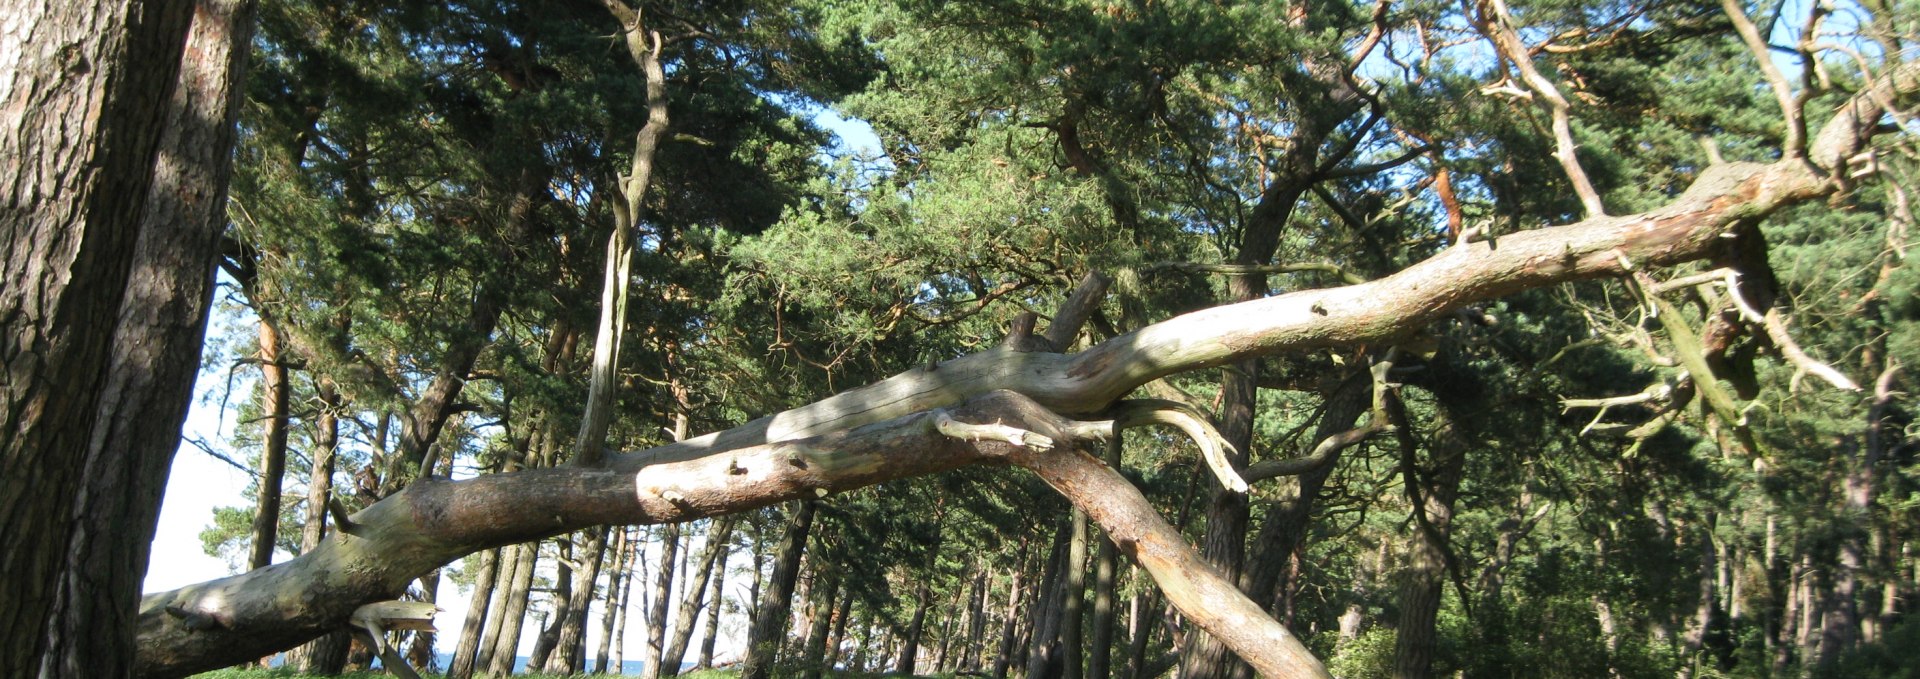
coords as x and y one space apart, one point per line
882 432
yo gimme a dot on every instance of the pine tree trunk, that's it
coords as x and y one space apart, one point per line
1044 650
814 651
549 636
616 600
319 489
910 653
769 622
461 666
975 629
1071 636
115 194
513 619
506 572
700 572
273 453
1426 573
1100 659
661 598
1003 657
570 646
716 603
841 616
635 570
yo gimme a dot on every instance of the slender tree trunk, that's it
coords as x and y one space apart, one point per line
1100 660
716 603
910 653
513 619
330 651
616 599
273 454
1695 638
549 637
1076 583
461 666
814 651
661 598
975 629
769 622
1426 573
1144 606
700 572
506 571
616 659
1002 658
1044 650
841 615
568 657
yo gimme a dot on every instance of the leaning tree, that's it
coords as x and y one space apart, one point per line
1024 403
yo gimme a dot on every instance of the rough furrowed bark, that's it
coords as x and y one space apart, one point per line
249 615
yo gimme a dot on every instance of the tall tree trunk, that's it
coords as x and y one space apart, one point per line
1003 657
328 653
1426 574
506 571
837 637
1076 594
569 647
273 454
616 599
115 194
513 618
1144 607
1100 659
910 653
814 652
1044 650
975 629
770 621
549 637
631 190
700 572
461 666
716 603
661 598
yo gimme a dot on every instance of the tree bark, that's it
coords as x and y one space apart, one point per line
769 630
506 650
814 652
114 161
1071 635
616 599
478 605
273 452
718 602
328 654
1426 574
1008 624
1100 659
700 573
910 653
661 598
569 651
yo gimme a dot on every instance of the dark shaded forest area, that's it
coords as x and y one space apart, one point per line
1290 338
